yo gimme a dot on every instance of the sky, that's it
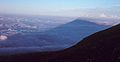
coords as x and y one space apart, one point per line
61 7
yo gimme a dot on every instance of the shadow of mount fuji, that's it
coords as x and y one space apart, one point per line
71 33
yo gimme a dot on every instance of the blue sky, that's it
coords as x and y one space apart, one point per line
41 7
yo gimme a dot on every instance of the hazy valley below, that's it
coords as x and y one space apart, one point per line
21 34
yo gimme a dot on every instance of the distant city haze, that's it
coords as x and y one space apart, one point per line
72 8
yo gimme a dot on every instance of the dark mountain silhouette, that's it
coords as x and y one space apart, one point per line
103 46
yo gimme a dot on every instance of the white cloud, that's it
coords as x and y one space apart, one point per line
104 15
2 37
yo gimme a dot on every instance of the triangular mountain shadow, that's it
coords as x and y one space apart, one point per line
71 33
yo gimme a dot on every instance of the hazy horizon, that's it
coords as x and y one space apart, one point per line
85 8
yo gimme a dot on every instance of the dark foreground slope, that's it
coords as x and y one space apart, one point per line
103 46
